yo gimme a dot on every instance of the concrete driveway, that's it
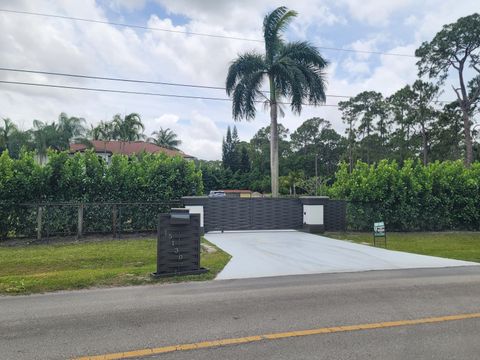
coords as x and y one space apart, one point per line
277 253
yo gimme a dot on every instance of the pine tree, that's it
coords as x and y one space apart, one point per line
231 151
244 161
226 146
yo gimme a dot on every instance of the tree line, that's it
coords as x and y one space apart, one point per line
403 122
398 128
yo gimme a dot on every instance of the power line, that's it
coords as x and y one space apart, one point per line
134 26
151 82
138 92
138 81
111 78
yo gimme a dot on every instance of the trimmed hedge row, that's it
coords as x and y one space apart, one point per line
87 178
439 196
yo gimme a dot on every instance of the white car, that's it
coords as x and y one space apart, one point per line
216 193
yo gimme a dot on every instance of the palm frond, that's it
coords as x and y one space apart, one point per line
304 53
245 95
244 66
273 25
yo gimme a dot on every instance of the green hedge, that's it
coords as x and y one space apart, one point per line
439 196
87 178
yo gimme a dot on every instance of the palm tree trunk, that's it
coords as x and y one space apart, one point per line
273 139
274 149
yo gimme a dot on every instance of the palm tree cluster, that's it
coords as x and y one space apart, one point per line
294 71
128 128
43 136
58 135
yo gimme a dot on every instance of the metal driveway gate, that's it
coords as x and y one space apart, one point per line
229 213
253 214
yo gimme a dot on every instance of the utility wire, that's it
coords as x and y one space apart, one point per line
149 82
64 17
138 92
138 81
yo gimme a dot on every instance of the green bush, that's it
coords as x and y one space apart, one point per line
439 196
87 178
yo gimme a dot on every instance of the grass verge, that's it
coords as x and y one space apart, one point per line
453 245
43 268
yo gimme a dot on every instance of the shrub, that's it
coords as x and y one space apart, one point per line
439 196
86 178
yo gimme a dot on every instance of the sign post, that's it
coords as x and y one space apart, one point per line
379 231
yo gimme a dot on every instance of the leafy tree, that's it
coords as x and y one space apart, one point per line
318 146
260 150
366 114
294 70
307 134
423 113
448 134
456 46
349 117
166 138
330 149
213 175
401 140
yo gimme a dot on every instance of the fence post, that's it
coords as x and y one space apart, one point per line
80 221
114 220
120 221
39 222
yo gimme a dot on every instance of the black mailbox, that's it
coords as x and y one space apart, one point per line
179 216
178 244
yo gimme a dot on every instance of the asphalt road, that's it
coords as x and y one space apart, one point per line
102 321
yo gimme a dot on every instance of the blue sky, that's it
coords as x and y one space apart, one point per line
394 26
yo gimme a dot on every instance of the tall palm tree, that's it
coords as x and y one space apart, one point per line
294 71
46 136
6 133
103 131
129 128
166 138
71 129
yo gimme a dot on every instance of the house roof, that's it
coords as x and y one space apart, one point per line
126 148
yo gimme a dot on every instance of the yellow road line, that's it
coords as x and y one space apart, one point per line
275 336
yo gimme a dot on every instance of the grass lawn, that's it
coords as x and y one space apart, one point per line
42 268
453 245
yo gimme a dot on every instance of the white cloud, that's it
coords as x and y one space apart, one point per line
67 46
200 135
129 5
376 12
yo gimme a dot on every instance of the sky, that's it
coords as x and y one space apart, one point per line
69 46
